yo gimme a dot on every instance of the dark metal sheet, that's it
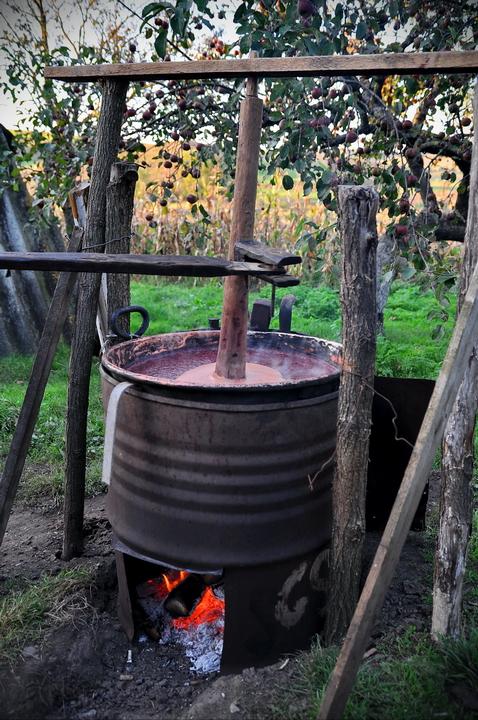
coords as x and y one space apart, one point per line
389 456
273 609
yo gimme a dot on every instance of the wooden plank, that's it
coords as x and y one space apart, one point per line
281 281
21 439
315 66
84 335
388 553
232 348
172 265
253 250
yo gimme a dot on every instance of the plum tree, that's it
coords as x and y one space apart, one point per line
389 131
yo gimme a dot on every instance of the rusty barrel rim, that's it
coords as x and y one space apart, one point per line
116 360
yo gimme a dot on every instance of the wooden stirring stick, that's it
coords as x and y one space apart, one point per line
231 356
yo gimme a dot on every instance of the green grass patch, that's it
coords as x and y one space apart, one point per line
406 350
44 470
25 614
407 678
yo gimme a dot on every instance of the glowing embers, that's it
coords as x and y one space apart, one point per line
187 609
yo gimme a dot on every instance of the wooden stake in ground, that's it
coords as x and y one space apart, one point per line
405 506
107 140
119 214
457 453
231 356
22 436
357 222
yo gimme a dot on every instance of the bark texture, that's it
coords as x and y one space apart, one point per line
357 222
457 453
83 341
119 214
231 357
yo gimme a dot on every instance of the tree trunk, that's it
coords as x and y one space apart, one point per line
357 211
231 356
24 296
457 453
119 214
107 140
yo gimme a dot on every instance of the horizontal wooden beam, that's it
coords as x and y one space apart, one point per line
172 265
281 281
259 252
325 65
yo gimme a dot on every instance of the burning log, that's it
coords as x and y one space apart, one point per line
182 599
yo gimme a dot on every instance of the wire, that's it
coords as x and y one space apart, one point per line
107 242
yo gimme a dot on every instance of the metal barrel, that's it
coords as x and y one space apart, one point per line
207 481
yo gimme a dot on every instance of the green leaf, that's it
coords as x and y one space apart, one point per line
287 182
245 44
392 9
361 31
160 43
152 9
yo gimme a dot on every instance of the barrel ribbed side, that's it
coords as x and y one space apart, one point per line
228 484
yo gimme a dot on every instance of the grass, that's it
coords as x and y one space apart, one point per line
407 678
44 470
25 614
407 349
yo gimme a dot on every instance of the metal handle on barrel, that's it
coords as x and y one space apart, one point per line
115 316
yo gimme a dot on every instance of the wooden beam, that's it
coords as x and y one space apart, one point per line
357 211
172 265
280 281
253 250
84 334
40 373
386 558
315 66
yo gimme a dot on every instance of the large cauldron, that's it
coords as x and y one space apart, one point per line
204 478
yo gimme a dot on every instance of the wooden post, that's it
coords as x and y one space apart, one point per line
107 140
357 222
386 558
40 373
119 214
456 507
231 356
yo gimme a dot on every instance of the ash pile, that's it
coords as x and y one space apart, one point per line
186 610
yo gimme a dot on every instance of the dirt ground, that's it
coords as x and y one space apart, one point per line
79 670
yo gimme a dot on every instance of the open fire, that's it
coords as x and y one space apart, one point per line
186 609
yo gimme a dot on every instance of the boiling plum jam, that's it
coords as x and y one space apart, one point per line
287 366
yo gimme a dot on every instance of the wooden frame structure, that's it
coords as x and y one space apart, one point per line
114 79
425 63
